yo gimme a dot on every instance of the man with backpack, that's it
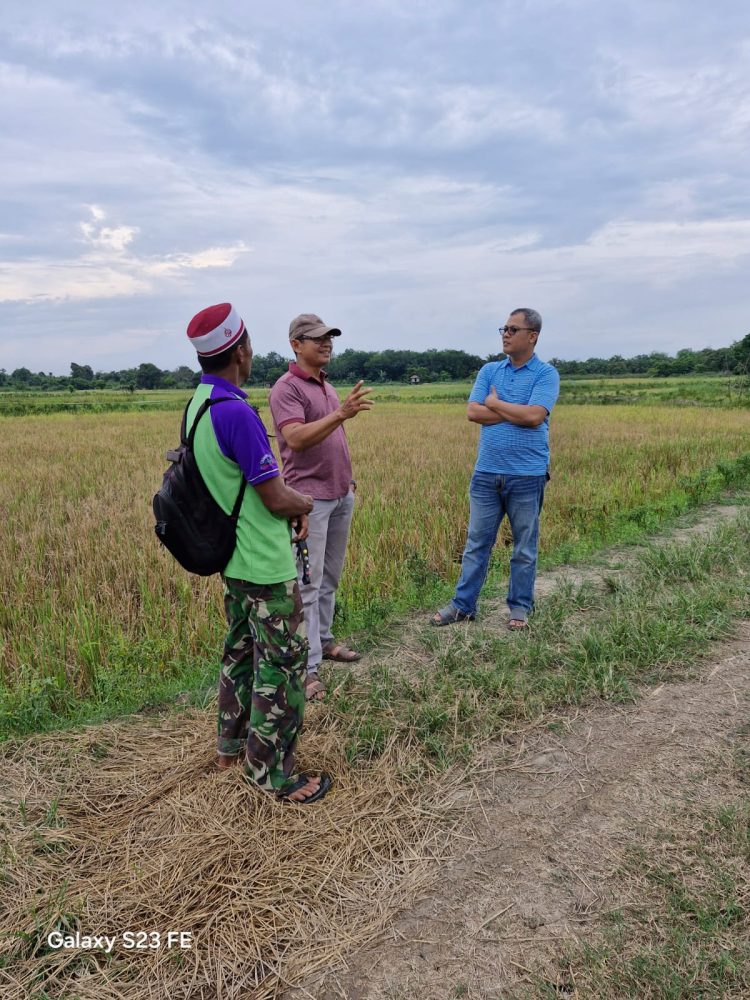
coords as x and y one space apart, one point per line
261 688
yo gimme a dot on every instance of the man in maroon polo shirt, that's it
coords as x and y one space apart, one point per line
309 422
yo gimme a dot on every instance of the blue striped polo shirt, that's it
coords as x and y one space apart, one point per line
506 449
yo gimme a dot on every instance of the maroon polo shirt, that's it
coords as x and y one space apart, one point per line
323 471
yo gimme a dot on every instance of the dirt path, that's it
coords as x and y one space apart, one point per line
549 820
614 561
404 650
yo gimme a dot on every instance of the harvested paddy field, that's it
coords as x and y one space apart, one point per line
503 806
479 878
97 613
128 830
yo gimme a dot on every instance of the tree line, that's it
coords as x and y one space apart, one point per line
388 366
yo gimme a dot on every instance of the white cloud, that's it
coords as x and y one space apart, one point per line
106 270
213 257
686 245
407 170
709 101
115 239
470 115
35 281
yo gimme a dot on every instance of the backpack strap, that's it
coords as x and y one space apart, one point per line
188 442
183 425
238 502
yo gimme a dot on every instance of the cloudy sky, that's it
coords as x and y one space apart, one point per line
409 170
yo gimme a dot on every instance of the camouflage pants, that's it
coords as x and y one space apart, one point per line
262 683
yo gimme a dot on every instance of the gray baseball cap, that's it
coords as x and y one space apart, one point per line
310 325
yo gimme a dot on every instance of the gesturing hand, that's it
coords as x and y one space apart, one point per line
356 400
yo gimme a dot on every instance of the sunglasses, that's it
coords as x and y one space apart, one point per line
513 330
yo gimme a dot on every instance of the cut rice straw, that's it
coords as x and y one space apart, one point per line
129 827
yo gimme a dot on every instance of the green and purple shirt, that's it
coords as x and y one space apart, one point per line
231 442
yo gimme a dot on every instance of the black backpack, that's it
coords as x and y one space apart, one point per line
189 522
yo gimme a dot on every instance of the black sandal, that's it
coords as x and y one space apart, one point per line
326 781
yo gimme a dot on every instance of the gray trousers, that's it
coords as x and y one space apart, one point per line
326 542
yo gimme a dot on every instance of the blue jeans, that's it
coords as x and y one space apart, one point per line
491 497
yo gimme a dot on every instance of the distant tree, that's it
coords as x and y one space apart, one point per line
21 376
661 369
639 365
740 354
81 376
349 366
392 365
617 365
684 362
374 371
184 377
127 377
148 376
274 367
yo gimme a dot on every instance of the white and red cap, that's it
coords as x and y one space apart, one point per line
215 329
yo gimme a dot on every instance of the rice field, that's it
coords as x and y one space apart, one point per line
92 608
730 391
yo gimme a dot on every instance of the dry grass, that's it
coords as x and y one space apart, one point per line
87 590
129 827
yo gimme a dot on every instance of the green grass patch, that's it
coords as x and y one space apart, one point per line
135 681
685 390
583 644
689 936
632 525
689 390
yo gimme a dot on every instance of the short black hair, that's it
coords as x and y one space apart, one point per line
217 362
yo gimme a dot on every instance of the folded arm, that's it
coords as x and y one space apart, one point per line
495 410
478 413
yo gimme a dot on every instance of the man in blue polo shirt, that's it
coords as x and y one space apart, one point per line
512 400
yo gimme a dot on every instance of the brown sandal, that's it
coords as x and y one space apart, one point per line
341 654
314 688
